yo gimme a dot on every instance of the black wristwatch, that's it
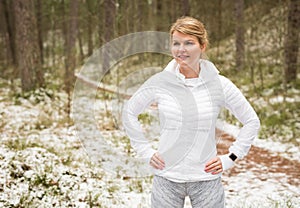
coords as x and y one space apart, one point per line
232 156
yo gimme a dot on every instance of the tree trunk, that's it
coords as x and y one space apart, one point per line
292 41
185 7
152 15
9 20
240 34
140 15
53 38
71 36
70 42
80 44
27 48
220 22
89 27
39 18
79 37
159 13
101 21
110 12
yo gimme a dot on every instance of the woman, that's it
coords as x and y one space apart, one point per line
189 93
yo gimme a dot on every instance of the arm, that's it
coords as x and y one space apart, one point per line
237 104
136 105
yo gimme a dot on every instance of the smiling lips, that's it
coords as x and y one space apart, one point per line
183 57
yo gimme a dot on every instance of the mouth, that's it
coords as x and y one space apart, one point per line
183 57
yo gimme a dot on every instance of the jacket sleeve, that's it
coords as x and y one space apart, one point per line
135 106
237 104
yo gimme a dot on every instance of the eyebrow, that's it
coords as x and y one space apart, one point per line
184 40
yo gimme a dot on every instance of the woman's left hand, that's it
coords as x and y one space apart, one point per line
214 166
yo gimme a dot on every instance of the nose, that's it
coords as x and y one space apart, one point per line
181 47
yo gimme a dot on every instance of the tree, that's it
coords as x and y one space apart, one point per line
110 13
185 7
70 55
240 34
292 41
39 17
219 27
27 48
9 20
89 26
109 23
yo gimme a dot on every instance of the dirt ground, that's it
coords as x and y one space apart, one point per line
262 162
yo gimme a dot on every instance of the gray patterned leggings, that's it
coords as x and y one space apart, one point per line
203 194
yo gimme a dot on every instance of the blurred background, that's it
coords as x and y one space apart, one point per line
255 43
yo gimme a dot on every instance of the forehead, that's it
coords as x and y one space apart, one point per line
183 37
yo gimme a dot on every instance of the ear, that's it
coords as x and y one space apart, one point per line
203 47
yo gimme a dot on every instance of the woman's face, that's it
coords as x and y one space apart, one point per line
186 48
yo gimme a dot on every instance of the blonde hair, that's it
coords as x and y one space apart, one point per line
191 26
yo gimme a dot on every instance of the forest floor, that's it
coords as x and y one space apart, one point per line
262 174
43 162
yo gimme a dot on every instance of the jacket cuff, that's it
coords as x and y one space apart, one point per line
149 155
227 163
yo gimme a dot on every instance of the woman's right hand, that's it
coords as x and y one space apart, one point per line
157 162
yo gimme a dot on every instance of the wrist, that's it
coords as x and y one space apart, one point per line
232 156
227 162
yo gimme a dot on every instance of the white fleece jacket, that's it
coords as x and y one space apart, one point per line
188 110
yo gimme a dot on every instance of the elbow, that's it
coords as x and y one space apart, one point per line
257 123
253 123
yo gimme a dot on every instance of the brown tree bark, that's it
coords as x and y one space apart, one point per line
101 27
240 35
159 15
152 15
9 20
53 45
70 56
292 41
109 23
110 12
27 49
80 43
71 36
140 15
89 27
219 28
185 7
39 18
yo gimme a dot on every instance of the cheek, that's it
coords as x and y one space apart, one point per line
174 50
196 51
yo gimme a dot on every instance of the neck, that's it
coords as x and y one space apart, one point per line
189 72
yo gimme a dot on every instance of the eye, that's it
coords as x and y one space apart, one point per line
175 44
189 43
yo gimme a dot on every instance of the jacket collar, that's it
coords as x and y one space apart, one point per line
208 70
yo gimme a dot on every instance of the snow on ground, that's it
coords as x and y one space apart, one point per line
287 150
247 190
43 163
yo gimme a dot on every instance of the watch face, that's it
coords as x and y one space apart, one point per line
233 156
